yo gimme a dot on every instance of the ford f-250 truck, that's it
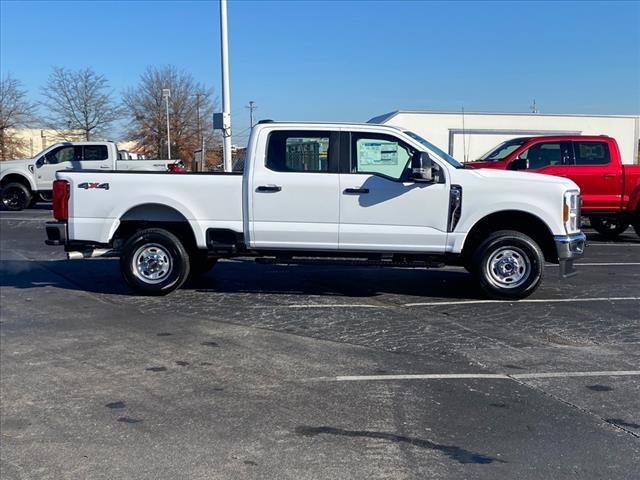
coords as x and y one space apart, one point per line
610 190
23 182
316 193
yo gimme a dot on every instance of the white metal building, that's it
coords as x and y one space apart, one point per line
467 137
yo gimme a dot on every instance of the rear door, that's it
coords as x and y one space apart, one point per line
96 157
295 191
599 178
380 208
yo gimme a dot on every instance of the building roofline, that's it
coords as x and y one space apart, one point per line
390 115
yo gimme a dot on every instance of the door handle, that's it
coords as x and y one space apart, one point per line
105 167
356 191
609 175
269 188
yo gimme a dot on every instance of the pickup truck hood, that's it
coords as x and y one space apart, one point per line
8 164
524 177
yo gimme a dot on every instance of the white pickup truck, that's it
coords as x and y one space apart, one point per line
316 193
23 182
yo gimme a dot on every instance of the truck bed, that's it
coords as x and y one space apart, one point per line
99 199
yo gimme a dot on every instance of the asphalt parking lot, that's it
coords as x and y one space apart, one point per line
263 371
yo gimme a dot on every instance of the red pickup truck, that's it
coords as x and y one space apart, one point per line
610 190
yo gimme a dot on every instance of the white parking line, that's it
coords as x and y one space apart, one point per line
336 306
484 376
528 300
611 264
589 244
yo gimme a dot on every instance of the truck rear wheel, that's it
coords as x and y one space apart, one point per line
154 262
509 265
609 227
15 196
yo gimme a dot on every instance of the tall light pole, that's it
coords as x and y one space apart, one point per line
200 132
166 93
226 97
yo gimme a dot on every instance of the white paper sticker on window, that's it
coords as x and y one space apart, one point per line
377 153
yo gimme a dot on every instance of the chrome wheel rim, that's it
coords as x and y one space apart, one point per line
508 267
152 263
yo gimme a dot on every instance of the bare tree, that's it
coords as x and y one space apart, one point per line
79 100
15 111
147 113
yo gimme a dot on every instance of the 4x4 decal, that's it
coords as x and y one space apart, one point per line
88 185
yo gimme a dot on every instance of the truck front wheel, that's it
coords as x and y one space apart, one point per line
154 262
609 227
15 196
508 265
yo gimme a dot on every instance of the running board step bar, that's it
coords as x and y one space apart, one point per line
352 262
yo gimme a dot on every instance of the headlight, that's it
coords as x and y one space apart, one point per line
571 211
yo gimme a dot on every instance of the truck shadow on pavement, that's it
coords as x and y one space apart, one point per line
246 277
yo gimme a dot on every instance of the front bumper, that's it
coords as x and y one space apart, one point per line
56 233
569 248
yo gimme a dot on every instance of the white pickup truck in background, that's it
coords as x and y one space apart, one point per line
316 193
23 182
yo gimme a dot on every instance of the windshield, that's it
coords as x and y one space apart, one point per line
503 150
430 146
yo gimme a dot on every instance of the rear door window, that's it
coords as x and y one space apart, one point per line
95 152
300 151
591 153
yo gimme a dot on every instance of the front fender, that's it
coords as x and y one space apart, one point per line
25 174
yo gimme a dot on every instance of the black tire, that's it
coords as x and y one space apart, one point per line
609 227
201 263
15 196
636 224
154 262
509 265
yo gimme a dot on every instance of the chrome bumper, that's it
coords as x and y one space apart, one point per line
569 248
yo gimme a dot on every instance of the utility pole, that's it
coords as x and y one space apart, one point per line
200 134
252 106
226 96
534 107
166 93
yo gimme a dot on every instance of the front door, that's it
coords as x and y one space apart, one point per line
380 208
295 193
64 157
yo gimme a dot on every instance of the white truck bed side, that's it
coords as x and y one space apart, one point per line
205 200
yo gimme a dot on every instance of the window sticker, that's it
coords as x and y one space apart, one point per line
377 153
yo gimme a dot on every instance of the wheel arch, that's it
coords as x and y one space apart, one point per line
154 215
517 220
12 177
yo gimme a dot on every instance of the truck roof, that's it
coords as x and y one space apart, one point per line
330 124
564 137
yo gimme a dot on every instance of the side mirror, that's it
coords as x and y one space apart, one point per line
40 161
518 164
421 167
